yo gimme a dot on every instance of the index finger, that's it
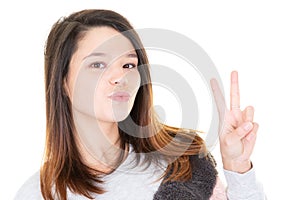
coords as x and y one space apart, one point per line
219 98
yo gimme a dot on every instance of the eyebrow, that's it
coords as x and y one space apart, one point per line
130 55
94 54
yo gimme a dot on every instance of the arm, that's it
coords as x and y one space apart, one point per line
237 135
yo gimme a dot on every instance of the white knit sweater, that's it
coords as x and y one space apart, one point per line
135 183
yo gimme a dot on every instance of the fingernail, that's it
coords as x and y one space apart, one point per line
248 126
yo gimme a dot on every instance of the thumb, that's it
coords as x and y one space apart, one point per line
243 129
239 132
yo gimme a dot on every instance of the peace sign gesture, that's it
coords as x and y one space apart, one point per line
237 131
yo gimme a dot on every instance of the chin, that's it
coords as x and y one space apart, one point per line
114 117
119 118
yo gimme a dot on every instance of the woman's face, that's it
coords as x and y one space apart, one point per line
103 78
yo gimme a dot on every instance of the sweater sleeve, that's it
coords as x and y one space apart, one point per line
243 186
239 187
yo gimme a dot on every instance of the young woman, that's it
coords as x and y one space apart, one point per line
104 140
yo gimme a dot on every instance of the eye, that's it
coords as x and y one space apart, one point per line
98 65
129 66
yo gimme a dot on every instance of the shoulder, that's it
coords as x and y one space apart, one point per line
30 189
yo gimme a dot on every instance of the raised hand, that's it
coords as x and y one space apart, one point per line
237 131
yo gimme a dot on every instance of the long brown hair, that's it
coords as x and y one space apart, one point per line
63 166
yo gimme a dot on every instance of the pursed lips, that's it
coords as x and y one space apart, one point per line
121 96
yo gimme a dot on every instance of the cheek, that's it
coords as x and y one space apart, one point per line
138 80
83 87
134 80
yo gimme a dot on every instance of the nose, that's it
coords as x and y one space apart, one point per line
117 75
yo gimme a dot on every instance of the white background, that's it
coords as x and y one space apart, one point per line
260 39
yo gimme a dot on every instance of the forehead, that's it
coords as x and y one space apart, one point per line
103 40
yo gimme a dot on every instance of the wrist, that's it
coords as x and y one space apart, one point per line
237 166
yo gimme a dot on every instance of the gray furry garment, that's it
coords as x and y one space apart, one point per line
199 187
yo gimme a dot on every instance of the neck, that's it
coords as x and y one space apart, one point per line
98 141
